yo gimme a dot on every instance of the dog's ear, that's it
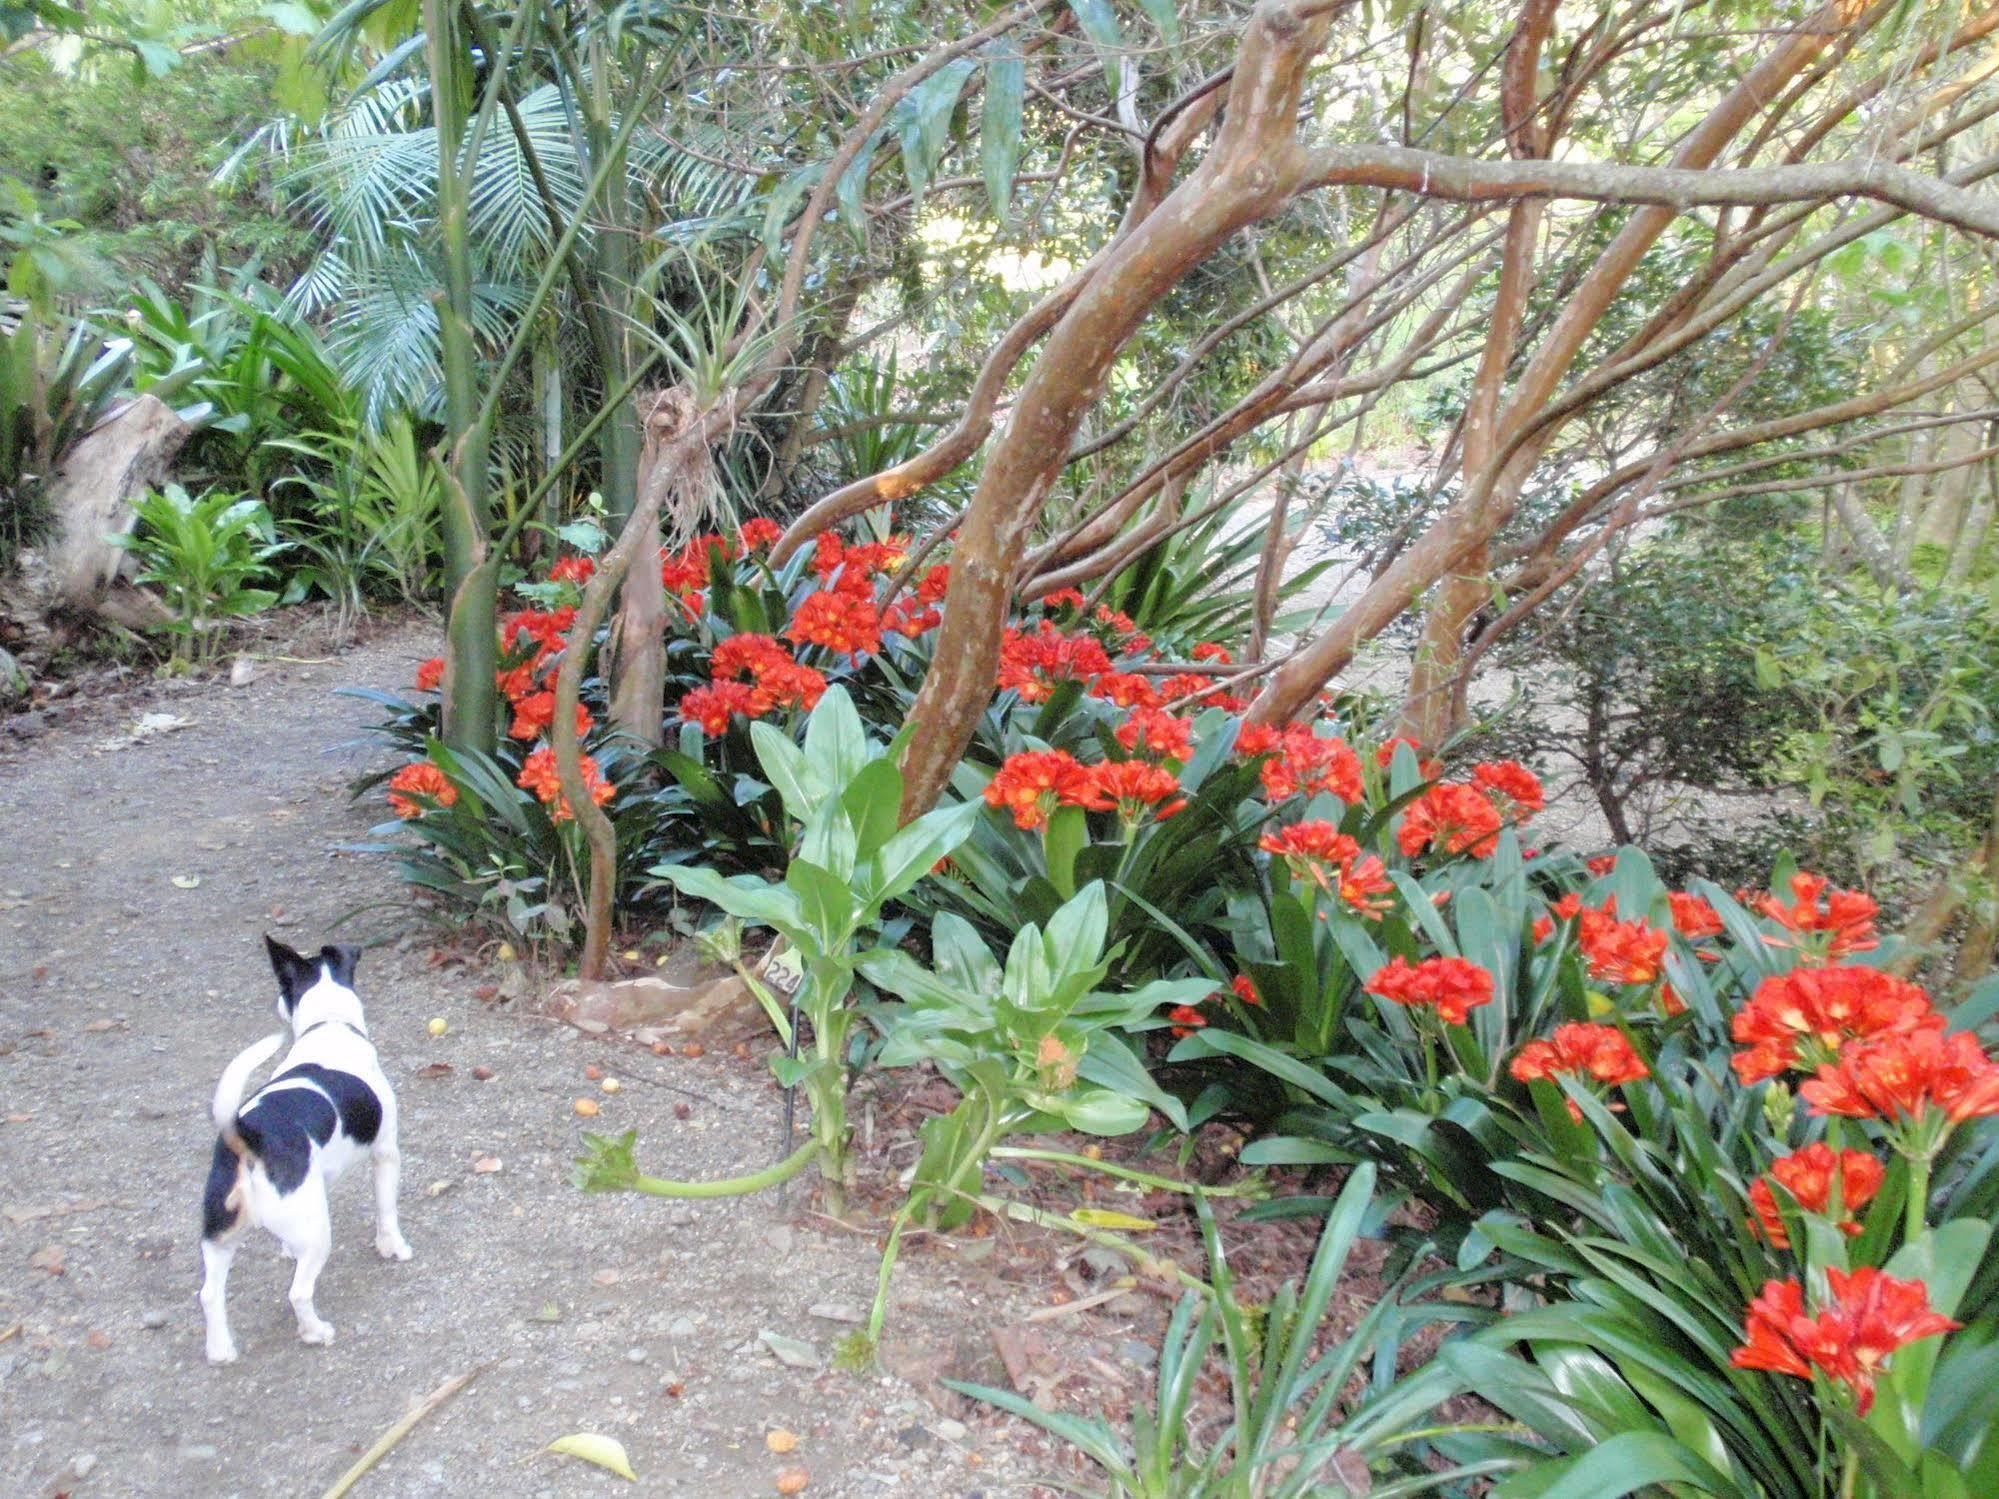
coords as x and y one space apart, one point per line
340 958
295 973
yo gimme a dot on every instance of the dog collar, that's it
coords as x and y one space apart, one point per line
318 1023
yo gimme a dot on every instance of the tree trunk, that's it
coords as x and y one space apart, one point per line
1240 181
90 499
1874 549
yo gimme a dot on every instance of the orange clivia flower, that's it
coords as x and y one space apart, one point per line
1126 689
757 533
910 618
1033 784
541 776
1600 1053
1801 1020
1148 731
1316 851
1303 763
534 713
1600 864
838 621
1453 987
1808 1176
1209 650
1139 789
712 707
1450 817
577 570
1186 1019
1828 924
1905 1076
1516 788
1244 989
1693 918
786 684
1063 598
746 655
1869 1316
430 674
1620 952
1035 663
421 778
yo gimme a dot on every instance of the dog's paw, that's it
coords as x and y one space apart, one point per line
316 1332
392 1246
222 1353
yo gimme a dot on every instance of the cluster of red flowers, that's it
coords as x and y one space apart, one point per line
540 776
577 570
1599 1053
1453 987
1301 762
1869 1316
1318 852
421 778
1904 1077
1829 925
1139 789
1808 1175
1034 663
912 615
1801 1020
1149 731
1032 785
752 674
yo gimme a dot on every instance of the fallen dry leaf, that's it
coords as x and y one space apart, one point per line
606 1452
105 1024
435 1069
607 1277
97 1338
50 1257
793 1481
486 1165
185 881
19 1118
781 1441
438 1188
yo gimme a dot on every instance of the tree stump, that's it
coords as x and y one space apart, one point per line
90 499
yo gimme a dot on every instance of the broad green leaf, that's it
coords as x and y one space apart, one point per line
1099 23
1626 1463
999 124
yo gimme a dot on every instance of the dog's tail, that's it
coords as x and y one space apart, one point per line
229 1092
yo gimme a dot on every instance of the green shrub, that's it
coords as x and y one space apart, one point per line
204 553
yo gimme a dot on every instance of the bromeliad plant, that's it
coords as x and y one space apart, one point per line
843 791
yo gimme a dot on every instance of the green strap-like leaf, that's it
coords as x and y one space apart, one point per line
999 124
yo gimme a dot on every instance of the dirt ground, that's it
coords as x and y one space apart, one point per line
136 875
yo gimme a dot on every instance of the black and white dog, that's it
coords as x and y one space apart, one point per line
277 1152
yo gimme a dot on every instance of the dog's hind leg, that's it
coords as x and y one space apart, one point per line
310 1237
388 1163
215 1257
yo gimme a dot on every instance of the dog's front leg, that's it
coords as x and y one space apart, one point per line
388 1162
215 1258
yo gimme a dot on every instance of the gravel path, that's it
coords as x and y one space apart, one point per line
125 986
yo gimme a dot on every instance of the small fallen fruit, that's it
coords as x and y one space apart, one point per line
781 1441
437 1027
793 1481
609 1085
593 1072
661 1049
586 1107
482 1074
693 1049
486 1165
